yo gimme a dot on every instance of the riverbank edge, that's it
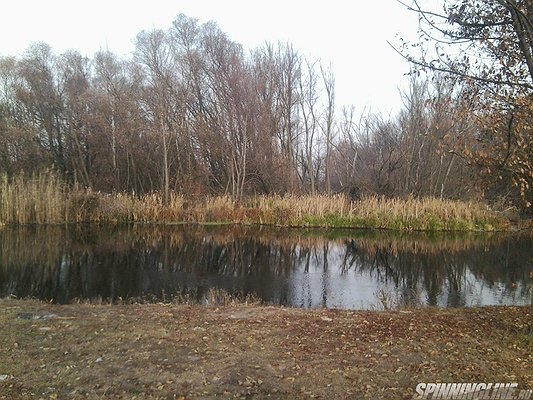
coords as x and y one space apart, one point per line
46 199
332 212
502 225
248 350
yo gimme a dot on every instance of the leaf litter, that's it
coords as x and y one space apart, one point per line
161 351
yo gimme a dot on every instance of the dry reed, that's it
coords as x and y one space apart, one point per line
35 199
425 214
44 198
376 212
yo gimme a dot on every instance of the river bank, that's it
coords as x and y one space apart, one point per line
251 351
45 199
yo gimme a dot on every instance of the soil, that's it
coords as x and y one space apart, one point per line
173 351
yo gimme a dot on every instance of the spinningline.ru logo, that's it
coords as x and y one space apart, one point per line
467 391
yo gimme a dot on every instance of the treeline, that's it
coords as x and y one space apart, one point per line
191 112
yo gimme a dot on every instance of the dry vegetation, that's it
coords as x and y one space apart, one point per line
232 122
162 351
38 199
46 199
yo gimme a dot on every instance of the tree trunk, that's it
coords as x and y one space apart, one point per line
165 171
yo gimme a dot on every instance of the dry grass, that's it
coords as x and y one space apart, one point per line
44 198
300 206
35 199
425 214
377 212
291 210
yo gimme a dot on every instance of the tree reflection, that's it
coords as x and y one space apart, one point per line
291 267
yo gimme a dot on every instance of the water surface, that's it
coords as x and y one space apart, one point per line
301 268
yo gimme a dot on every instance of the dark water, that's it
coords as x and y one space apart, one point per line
302 268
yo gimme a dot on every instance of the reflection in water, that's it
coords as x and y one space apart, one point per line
300 268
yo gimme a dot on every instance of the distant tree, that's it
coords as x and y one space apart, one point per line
19 147
367 155
329 120
289 70
345 154
39 100
267 169
162 106
418 152
108 98
433 129
191 112
309 115
74 82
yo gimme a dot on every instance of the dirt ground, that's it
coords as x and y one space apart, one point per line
169 351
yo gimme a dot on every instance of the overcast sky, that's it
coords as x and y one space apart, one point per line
351 35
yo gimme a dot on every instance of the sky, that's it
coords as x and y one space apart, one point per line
349 35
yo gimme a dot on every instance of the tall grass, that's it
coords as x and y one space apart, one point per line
293 210
425 214
377 212
35 199
44 198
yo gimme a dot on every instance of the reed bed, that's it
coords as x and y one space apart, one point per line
425 214
294 210
36 199
409 214
45 199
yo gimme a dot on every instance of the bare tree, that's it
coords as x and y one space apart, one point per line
308 108
39 95
74 75
289 98
329 84
161 105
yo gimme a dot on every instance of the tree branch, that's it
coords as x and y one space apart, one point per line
432 67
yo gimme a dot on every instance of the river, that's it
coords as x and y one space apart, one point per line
347 269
